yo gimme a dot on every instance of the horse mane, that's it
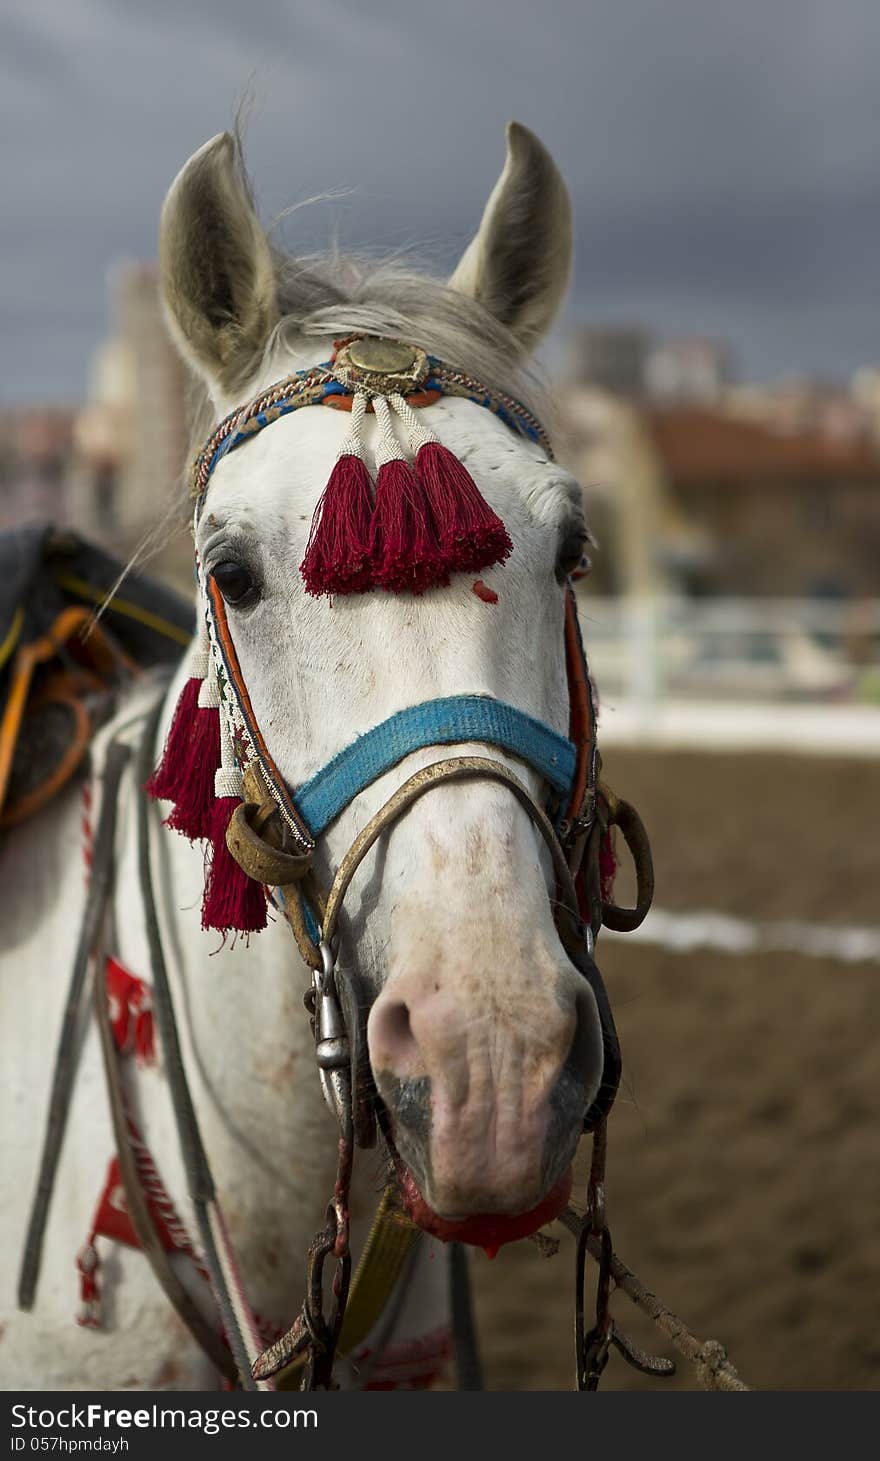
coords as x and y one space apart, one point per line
338 294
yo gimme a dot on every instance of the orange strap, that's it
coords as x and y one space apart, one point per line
581 731
345 403
103 654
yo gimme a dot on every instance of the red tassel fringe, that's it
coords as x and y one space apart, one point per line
406 553
233 901
337 558
169 778
194 803
471 535
185 775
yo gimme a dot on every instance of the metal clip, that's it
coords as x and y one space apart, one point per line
332 1049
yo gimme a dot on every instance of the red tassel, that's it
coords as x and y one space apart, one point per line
404 545
337 558
233 901
471 535
88 1265
169 778
194 803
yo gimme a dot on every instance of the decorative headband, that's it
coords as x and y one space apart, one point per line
421 522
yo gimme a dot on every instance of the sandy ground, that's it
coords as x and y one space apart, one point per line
744 1148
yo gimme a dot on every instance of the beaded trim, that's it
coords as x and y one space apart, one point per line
315 385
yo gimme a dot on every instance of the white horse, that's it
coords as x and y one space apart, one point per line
476 1009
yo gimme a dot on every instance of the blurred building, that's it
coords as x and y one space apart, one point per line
131 435
631 362
696 499
36 453
611 358
788 512
689 369
645 544
805 407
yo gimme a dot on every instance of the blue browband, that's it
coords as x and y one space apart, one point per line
445 722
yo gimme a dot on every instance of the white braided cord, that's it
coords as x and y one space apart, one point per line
228 780
353 445
200 654
388 448
419 434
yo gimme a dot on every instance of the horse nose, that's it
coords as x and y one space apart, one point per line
487 1107
408 1031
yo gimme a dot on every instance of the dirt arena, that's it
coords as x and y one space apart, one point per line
744 1156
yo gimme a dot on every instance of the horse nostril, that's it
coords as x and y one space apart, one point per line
393 1046
398 1027
585 1057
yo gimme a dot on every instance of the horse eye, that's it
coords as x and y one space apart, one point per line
571 551
235 582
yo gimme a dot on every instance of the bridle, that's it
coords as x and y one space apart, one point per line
273 833
256 834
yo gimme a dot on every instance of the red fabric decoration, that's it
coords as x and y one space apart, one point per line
233 902
405 550
337 558
131 1013
471 535
112 1218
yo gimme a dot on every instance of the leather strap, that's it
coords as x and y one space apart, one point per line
181 1300
100 885
200 1181
450 721
454 768
259 857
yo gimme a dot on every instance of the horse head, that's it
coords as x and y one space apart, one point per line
479 1030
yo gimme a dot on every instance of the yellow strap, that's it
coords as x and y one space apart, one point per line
13 711
12 634
76 585
391 1240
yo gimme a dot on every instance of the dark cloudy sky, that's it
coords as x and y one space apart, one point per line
723 155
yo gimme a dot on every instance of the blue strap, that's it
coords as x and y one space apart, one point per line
435 723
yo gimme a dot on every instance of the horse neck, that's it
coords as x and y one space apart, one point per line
248 1053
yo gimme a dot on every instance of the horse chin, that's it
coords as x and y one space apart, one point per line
488 1231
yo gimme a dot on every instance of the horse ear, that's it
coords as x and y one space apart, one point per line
216 266
519 263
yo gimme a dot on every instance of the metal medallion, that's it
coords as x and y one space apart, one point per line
380 367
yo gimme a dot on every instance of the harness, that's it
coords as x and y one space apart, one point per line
224 785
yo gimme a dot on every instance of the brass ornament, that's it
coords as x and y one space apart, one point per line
381 367
247 841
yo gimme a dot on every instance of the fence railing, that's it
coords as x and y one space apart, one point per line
648 650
